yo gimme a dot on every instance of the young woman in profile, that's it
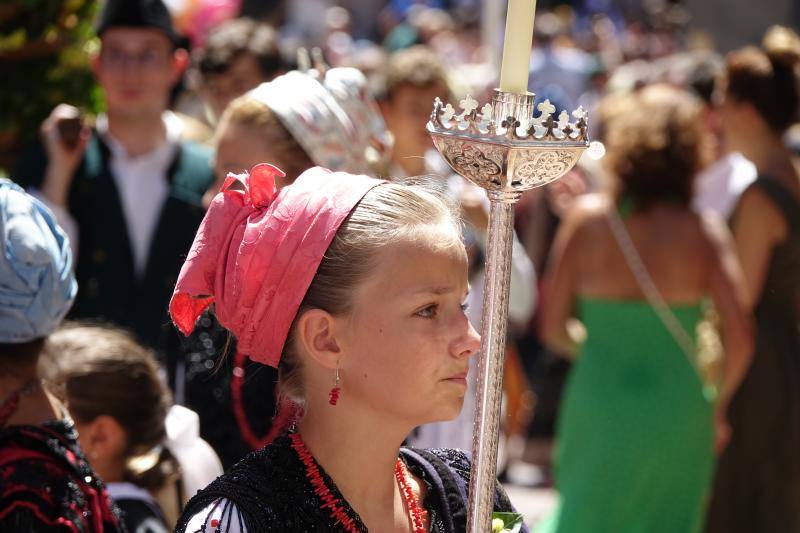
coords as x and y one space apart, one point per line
354 288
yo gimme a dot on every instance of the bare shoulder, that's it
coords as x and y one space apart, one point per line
758 217
755 206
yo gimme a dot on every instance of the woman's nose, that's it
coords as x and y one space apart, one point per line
469 343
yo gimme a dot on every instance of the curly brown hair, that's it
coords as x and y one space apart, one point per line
656 144
418 66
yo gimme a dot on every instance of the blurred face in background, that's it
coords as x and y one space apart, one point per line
219 90
137 68
240 147
406 113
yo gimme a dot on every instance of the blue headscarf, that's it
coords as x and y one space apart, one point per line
37 286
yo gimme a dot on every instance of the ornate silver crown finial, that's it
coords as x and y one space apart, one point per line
448 113
506 151
468 104
487 124
546 109
506 148
303 59
318 61
486 112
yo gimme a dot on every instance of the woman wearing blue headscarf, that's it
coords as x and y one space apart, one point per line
45 482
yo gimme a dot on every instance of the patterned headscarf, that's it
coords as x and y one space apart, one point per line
257 251
332 117
37 285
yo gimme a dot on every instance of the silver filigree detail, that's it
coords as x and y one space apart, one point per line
471 163
540 167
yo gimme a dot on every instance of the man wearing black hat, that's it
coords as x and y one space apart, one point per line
130 189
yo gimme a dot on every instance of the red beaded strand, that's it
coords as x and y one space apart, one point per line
245 429
329 501
416 514
415 510
333 396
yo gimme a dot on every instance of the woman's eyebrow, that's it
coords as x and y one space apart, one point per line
435 289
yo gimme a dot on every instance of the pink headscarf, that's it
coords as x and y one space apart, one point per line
257 251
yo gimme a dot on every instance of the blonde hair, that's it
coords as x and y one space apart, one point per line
389 213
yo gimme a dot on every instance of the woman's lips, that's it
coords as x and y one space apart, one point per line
460 378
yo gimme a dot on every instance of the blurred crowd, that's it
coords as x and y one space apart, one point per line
655 301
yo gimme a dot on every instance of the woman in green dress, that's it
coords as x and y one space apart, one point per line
637 429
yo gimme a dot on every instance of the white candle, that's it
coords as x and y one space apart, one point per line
517 46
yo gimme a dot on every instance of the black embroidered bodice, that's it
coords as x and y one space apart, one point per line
271 493
47 485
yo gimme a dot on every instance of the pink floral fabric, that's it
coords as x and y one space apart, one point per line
257 251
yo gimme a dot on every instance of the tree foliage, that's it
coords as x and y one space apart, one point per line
44 57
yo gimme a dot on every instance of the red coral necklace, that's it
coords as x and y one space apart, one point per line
416 513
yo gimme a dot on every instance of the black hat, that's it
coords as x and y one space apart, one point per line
137 14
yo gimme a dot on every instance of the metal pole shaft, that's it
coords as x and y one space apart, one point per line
486 427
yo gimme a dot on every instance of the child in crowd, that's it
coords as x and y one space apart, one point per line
112 389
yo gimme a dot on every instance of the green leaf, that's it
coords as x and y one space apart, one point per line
512 522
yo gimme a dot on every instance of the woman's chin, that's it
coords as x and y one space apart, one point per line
447 413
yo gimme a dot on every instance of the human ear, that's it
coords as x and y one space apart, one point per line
386 108
104 436
317 335
180 62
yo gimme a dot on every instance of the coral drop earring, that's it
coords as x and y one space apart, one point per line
333 396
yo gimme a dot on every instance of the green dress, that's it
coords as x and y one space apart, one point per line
634 449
